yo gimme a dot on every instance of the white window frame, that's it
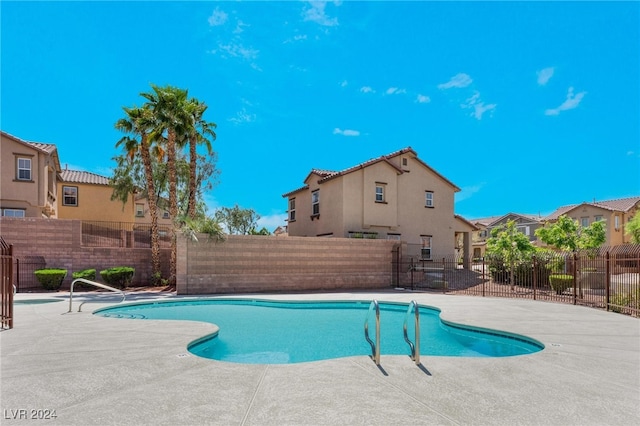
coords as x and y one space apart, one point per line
292 210
525 230
426 247
26 166
380 198
315 203
616 222
64 196
428 199
13 213
394 237
598 218
139 210
584 222
165 215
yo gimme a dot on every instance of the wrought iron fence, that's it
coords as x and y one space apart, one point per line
6 283
122 234
607 279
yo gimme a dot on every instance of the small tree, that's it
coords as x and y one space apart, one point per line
567 234
238 220
510 245
633 228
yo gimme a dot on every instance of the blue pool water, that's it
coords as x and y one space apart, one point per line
276 332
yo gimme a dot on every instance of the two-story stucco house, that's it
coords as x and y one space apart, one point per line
29 178
617 213
395 196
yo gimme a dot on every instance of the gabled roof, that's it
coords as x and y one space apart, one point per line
326 175
463 220
76 176
485 221
46 148
531 217
616 205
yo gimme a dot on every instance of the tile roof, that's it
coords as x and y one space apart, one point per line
76 176
620 205
48 148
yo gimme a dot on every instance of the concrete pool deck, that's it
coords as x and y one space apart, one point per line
97 371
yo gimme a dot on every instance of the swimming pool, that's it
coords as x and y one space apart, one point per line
278 332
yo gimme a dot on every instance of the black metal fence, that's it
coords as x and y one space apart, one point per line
122 234
607 279
6 283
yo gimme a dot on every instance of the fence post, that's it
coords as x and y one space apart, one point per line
483 277
574 273
607 280
17 275
535 276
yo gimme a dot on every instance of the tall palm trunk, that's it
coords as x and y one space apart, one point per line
173 202
153 210
191 212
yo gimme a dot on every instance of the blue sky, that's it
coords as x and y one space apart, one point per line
526 106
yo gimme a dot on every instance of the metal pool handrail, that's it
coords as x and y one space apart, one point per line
415 348
106 287
375 347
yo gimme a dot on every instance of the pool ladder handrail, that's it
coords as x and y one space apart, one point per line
375 347
93 283
415 347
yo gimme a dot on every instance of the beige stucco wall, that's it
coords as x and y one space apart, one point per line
33 196
94 204
146 217
615 236
347 204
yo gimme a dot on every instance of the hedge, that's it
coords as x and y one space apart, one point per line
87 274
120 276
560 282
51 278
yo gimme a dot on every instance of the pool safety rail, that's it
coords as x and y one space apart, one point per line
93 283
375 347
415 347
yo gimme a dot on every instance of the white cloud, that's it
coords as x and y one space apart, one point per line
423 99
218 18
344 83
243 117
395 91
316 13
544 75
238 51
457 81
572 101
468 192
346 132
367 89
478 106
272 221
240 27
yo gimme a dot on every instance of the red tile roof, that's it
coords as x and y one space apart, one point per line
75 176
619 205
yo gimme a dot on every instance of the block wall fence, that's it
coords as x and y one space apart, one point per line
59 242
247 264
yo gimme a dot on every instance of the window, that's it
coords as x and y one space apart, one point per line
165 215
425 252
292 210
483 233
404 162
525 230
315 202
598 218
24 168
70 196
395 237
584 221
140 210
380 192
428 199
616 222
13 212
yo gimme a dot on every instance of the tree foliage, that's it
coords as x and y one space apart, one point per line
506 241
238 220
632 229
567 234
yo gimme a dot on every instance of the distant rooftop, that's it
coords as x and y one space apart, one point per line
76 176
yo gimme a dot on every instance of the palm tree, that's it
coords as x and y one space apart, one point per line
138 123
168 106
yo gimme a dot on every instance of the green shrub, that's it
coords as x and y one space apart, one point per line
120 276
560 282
51 278
630 299
87 274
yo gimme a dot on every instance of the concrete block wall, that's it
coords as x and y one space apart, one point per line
247 264
59 241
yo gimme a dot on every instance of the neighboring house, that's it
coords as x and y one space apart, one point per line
616 213
87 196
143 215
280 231
396 196
29 176
525 223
